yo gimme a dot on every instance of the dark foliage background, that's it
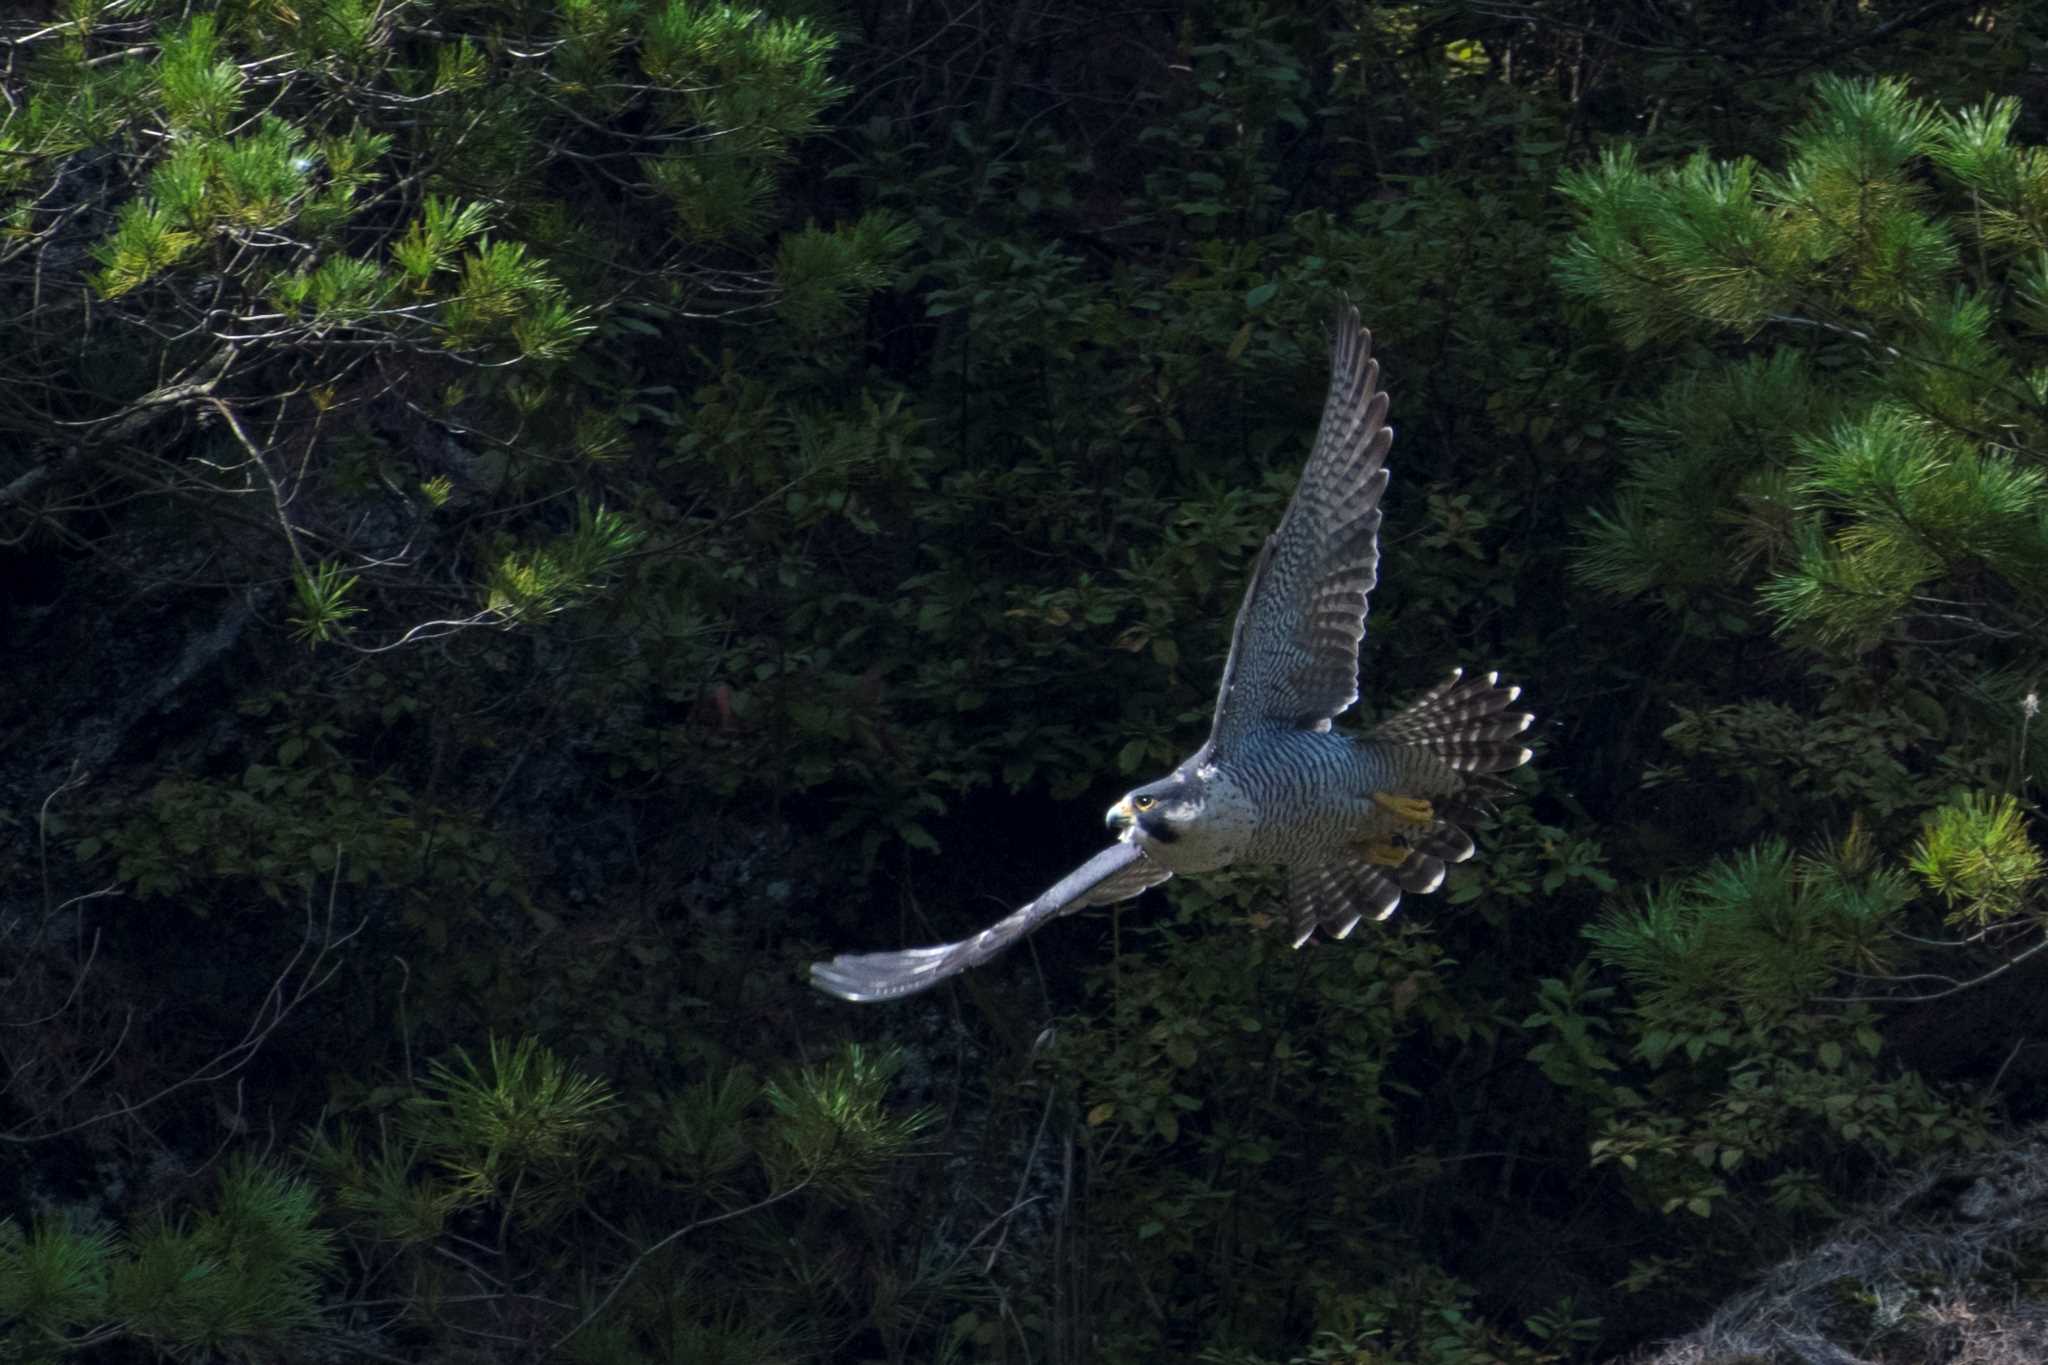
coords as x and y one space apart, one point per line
523 524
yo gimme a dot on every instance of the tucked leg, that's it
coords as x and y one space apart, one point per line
1412 809
1383 855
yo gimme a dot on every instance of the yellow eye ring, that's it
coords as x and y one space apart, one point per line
1143 802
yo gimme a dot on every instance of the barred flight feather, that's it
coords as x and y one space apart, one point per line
1336 896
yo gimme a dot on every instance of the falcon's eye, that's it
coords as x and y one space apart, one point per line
1143 802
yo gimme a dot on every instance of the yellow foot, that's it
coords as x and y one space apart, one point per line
1385 855
1413 809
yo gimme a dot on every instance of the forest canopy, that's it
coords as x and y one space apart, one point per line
524 524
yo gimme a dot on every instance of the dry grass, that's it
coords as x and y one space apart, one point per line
1951 1269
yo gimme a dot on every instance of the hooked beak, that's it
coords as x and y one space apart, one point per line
1120 818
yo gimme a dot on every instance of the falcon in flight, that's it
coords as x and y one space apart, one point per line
1355 820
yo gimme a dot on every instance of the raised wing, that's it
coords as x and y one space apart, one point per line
1294 651
1117 873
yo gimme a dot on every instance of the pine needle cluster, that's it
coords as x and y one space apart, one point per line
1873 477
244 1276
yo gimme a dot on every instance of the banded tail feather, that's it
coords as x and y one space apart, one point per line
1336 896
1464 726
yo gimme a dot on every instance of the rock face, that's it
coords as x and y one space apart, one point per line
1950 1269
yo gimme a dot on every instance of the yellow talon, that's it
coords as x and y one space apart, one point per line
1385 855
1413 809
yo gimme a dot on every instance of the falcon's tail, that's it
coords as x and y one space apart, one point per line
1466 726
1449 742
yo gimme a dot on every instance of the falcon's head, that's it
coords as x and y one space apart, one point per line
1158 812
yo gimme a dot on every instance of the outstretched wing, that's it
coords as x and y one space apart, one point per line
1294 651
1117 873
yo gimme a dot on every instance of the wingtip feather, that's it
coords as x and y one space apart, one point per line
866 977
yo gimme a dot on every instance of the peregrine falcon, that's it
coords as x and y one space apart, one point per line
1355 820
